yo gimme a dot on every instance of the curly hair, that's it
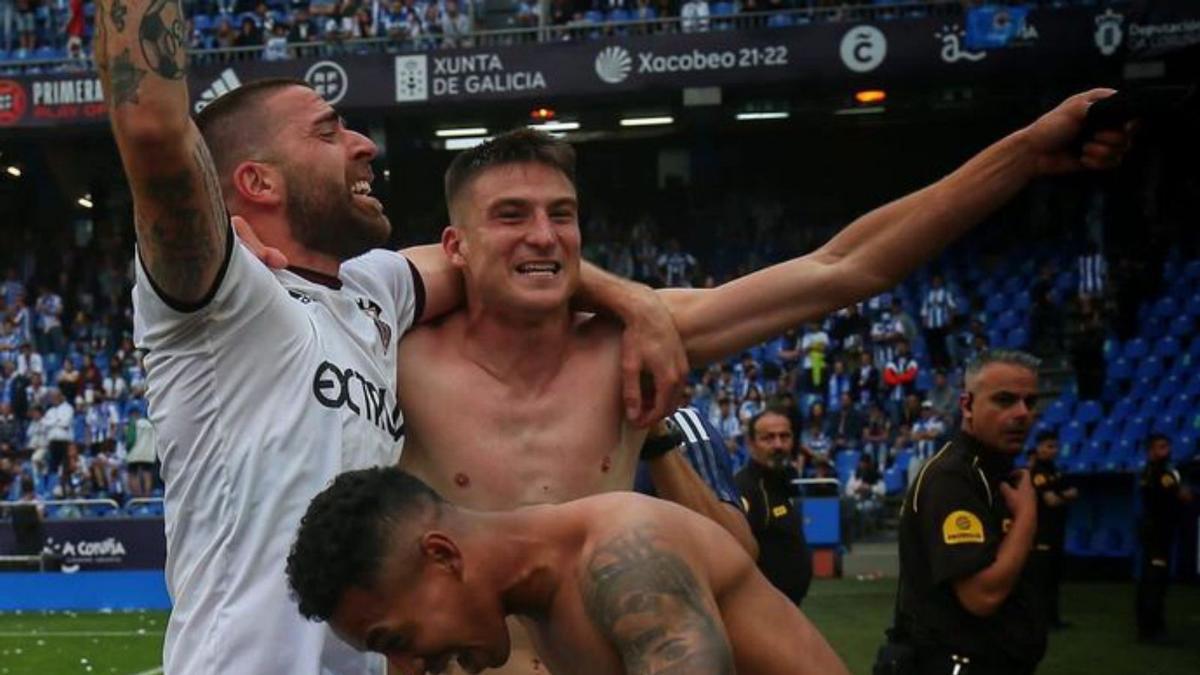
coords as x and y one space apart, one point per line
342 540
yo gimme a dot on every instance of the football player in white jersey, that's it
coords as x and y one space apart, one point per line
264 384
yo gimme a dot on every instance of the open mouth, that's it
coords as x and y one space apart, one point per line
539 269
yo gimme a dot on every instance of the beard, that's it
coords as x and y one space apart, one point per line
325 220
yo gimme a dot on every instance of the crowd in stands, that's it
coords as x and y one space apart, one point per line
72 386
45 30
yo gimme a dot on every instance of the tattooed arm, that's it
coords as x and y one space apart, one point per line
181 221
647 601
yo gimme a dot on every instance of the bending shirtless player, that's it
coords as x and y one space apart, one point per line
609 584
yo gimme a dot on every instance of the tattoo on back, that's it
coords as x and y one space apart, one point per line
162 34
646 600
117 13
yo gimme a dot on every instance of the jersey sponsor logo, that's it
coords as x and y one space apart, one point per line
962 527
304 299
779 511
336 388
374 311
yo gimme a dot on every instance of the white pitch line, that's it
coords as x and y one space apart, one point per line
80 634
152 671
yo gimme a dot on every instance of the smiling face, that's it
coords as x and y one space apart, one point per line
326 172
423 614
516 235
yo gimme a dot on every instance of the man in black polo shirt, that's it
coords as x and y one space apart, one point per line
1163 504
966 530
1054 494
767 492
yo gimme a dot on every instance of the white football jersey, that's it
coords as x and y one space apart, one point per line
260 397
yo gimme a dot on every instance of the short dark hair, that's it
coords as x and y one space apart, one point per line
1156 437
512 147
229 125
1044 436
343 536
752 425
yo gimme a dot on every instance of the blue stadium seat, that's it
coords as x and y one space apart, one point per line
1150 367
1072 432
1124 409
1018 338
618 15
1136 349
996 305
1120 369
1165 423
785 21
1079 542
1135 429
894 481
593 16
903 459
1168 347
1022 302
1120 455
1108 430
1057 412
722 9
844 463
1007 321
1089 412
1165 308
1181 403
1151 406
1170 385
1181 326
1192 388
1183 448
1191 270
1192 308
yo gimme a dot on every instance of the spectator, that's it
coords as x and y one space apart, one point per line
26 24
846 426
694 15
29 361
908 327
876 434
249 36
527 14
431 27
676 267
115 387
561 12
850 329
277 43
90 375
928 431
866 379
141 440
884 334
899 378
813 346
728 424
752 405
839 386
37 442
1093 272
364 24
1045 318
60 423
1087 352
225 36
69 380
9 473
73 481
303 28
814 440
49 310
620 260
456 26
944 397
37 393
866 489
13 287
323 9
937 317
22 318
101 421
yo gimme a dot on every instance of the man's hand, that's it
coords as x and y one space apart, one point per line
651 345
1021 500
1055 137
271 257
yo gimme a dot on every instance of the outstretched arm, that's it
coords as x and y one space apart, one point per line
646 600
879 249
182 228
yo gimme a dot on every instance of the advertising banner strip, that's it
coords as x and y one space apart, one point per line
1044 43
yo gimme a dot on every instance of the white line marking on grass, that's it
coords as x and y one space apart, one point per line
100 633
152 671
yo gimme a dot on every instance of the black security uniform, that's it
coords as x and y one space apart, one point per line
769 499
1045 561
1161 513
951 526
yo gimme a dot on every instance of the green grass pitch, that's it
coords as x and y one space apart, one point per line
852 614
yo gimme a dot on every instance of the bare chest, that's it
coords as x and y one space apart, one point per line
488 443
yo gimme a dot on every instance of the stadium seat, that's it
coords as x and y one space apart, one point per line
1165 423
1135 429
1165 308
1151 406
1167 347
1057 412
1181 403
1079 542
1124 409
1150 367
903 459
1089 412
1169 387
1191 270
1120 369
844 464
1181 326
1136 349
1108 430
1192 308
1022 301
1018 338
894 480
1192 388
619 15
202 23
1072 432
1183 447
783 21
996 305
593 16
1120 455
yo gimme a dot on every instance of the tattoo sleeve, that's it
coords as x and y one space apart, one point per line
181 221
647 601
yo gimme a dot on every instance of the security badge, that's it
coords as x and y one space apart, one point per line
962 527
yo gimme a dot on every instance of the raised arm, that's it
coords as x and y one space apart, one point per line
879 249
182 227
646 600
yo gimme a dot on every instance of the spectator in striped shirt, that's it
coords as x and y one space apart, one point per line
1093 272
937 316
928 431
729 426
49 313
866 380
884 334
839 386
676 267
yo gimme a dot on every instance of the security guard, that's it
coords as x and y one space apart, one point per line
767 492
966 530
1163 501
1054 494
